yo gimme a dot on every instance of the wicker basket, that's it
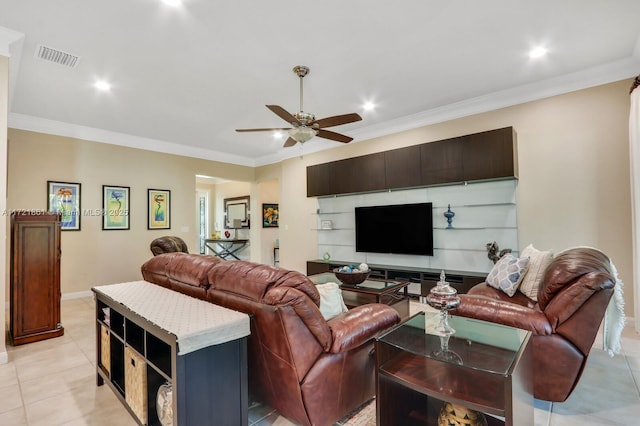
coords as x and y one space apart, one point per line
135 383
351 278
105 349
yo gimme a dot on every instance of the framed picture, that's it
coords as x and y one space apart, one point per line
115 207
158 209
270 215
64 198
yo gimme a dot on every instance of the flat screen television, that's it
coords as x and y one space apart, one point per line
395 229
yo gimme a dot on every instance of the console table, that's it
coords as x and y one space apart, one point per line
488 368
148 337
225 248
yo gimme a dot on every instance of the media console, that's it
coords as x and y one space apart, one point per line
423 279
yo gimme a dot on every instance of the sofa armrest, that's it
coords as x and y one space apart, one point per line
505 313
359 325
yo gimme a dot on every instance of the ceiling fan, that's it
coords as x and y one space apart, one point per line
304 126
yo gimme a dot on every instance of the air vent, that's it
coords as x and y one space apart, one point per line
56 56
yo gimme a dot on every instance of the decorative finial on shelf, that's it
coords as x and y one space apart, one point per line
449 215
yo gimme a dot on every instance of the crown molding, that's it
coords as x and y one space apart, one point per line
42 125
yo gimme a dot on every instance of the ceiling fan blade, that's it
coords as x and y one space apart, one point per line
290 142
336 120
328 134
281 129
282 113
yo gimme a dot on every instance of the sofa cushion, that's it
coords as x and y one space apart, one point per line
331 302
569 266
187 269
538 263
507 273
254 280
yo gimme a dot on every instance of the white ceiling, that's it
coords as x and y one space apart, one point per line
185 78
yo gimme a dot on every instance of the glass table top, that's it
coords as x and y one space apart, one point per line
476 344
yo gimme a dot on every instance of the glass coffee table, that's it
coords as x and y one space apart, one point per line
488 369
373 290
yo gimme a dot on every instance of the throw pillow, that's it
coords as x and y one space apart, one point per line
538 262
331 302
507 273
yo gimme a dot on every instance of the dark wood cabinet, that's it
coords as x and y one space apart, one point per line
358 174
489 155
479 156
402 167
35 277
441 162
319 179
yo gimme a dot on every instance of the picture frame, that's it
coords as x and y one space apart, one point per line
158 209
270 215
115 207
64 198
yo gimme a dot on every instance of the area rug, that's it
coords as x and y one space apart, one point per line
365 415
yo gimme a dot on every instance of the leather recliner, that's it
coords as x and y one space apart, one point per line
564 322
311 370
168 244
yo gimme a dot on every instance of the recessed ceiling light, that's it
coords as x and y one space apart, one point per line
369 106
173 3
102 85
538 52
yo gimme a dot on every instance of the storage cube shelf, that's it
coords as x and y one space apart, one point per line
136 357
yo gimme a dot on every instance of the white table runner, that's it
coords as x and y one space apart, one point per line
196 323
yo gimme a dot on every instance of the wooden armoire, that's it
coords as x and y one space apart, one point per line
35 277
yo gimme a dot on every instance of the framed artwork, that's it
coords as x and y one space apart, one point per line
115 207
64 198
158 209
270 215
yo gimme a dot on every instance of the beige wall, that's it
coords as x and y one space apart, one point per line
574 175
92 256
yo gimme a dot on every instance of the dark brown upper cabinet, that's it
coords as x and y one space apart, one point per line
358 174
441 162
319 180
402 167
480 156
489 155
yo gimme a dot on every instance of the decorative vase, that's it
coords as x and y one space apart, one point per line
449 215
326 256
443 297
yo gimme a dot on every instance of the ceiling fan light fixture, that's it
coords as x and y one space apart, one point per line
302 133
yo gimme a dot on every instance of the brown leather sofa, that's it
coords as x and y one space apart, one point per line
168 244
572 300
311 370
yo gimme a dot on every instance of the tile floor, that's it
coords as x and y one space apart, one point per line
53 383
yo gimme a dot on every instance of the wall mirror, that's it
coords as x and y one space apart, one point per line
236 208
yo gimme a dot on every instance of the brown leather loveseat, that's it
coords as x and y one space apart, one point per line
311 370
571 303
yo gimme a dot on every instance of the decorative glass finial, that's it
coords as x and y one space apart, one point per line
443 297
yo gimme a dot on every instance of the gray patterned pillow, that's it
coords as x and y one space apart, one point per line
507 273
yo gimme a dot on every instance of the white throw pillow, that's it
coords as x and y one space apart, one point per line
331 302
538 262
507 273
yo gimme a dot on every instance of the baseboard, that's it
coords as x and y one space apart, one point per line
4 357
77 295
